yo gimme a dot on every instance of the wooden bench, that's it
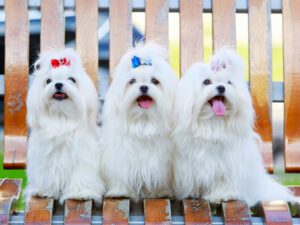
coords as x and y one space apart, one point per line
156 211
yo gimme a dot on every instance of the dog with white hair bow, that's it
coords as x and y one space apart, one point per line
217 150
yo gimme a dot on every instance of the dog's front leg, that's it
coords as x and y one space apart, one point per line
85 183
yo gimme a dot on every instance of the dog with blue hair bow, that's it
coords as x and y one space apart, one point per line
135 137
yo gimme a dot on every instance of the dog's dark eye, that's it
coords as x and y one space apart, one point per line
229 82
154 81
48 81
207 82
132 81
72 79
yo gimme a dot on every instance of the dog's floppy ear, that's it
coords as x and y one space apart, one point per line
185 97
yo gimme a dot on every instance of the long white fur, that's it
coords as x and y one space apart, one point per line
62 153
137 142
218 158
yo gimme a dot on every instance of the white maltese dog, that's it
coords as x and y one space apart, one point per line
136 137
62 116
217 156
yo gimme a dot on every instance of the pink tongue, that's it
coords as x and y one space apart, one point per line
145 104
218 107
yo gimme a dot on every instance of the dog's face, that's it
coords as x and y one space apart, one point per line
212 102
62 93
144 92
141 98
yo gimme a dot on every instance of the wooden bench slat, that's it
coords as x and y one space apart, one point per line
276 212
295 190
52 25
191 33
157 211
16 79
87 36
120 25
39 211
10 190
78 212
224 33
197 212
291 37
260 50
236 212
116 211
157 22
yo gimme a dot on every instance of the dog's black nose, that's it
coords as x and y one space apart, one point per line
59 86
221 89
144 89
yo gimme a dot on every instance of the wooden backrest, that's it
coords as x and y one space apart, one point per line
191 45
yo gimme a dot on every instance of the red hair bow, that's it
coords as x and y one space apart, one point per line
60 62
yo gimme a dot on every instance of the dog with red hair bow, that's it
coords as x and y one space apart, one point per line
62 117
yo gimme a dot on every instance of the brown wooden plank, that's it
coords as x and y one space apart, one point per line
291 37
224 33
157 22
78 212
87 45
191 33
39 211
52 25
157 211
16 79
260 46
197 212
295 190
276 212
236 213
10 190
120 31
115 211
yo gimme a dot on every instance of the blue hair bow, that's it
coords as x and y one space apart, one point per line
136 62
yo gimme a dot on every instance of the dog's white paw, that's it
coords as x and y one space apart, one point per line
223 198
82 195
115 193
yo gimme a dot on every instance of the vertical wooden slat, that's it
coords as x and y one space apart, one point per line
224 32
197 212
191 33
78 212
120 23
52 25
236 212
291 37
39 211
157 211
116 211
10 190
260 73
157 22
16 79
276 213
87 36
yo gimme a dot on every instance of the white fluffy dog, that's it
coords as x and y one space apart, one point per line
217 155
136 125
62 116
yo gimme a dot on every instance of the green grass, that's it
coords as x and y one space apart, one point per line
10 173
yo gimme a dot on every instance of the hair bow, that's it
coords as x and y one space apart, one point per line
60 62
136 62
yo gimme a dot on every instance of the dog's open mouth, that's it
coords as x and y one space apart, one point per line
60 95
217 104
144 101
